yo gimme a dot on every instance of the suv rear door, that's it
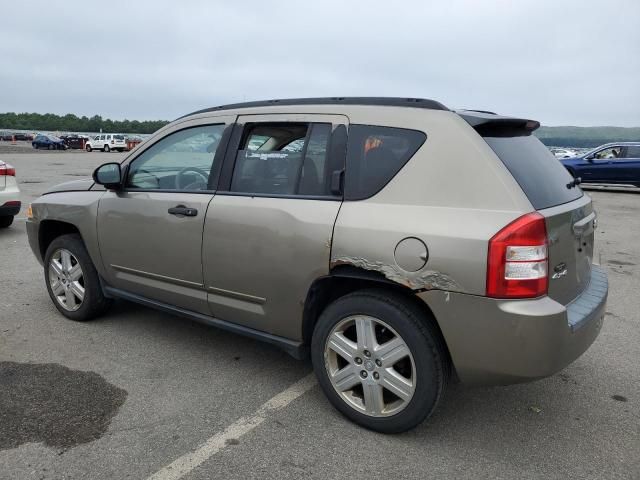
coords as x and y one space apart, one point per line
268 232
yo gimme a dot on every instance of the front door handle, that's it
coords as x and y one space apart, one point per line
184 211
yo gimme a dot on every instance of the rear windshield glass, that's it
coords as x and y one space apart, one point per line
542 177
119 137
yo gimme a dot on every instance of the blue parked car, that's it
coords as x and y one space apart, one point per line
49 142
611 163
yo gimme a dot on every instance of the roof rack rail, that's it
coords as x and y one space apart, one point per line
379 101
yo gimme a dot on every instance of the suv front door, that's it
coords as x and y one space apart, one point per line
600 167
268 231
150 233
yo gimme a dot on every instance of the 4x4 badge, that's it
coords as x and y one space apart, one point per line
560 270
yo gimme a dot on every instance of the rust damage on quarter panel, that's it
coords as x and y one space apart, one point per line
421 280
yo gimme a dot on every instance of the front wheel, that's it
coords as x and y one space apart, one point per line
380 360
88 148
6 221
51 146
72 280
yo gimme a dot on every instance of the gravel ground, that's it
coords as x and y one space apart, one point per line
125 395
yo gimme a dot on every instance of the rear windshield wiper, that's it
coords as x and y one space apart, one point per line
574 183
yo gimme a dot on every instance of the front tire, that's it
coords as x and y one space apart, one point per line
72 280
380 360
51 146
88 148
6 221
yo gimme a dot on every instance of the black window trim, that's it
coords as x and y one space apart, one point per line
349 198
214 172
238 136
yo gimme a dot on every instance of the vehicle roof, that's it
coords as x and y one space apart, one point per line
618 144
373 101
483 121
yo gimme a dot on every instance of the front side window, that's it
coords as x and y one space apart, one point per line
283 159
182 160
375 155
608 153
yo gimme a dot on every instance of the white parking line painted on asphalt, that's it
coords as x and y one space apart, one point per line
186 463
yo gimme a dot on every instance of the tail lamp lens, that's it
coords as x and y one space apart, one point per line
517 262
7 170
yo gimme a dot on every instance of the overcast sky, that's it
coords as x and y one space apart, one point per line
560 62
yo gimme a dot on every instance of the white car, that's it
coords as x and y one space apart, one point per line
9 194
107 142
563 153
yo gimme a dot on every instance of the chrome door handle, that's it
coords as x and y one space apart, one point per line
183 211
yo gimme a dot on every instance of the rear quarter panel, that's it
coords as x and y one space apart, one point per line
454 195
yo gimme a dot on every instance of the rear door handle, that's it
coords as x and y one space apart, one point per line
184 211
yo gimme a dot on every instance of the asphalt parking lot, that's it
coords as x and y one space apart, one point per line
127 395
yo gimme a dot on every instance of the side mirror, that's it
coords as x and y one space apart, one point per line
108 175
590 158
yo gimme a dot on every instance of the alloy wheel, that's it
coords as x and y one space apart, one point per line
370 366
66 280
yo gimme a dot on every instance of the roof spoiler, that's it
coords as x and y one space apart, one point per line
491 125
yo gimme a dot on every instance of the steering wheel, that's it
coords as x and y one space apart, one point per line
197 185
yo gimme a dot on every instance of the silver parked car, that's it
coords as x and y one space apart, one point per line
399 243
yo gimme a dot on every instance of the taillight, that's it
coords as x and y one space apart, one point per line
517 263
111 142
8 170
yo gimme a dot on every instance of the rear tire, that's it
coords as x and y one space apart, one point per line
6 221
406 353
51 146
68 271
106 149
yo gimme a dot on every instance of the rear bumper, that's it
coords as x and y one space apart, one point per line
10 210
497 342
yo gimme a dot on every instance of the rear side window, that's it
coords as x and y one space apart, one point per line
633 152
540 175
375 155
283 159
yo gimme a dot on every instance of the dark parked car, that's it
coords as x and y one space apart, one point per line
48 142
617 163
74 141
24 137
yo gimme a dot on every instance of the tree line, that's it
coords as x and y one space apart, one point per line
72 123
586 137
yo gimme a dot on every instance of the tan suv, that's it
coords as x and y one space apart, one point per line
398 242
